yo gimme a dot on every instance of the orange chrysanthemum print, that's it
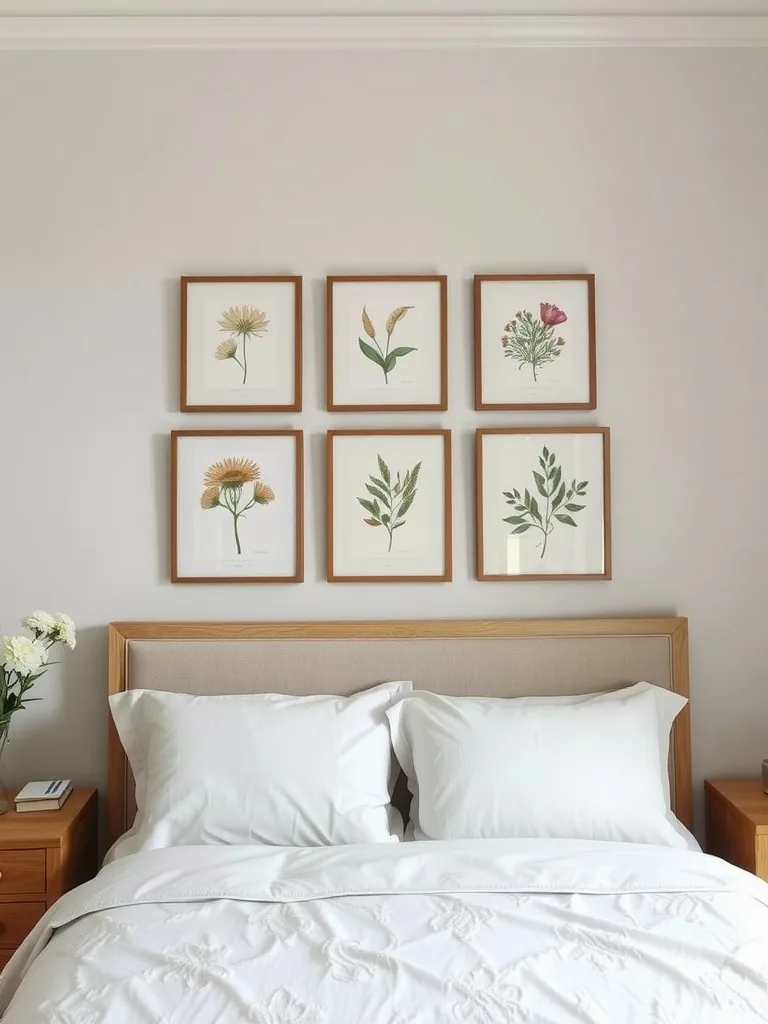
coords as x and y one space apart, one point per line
224 482
210 498
263 493
231 473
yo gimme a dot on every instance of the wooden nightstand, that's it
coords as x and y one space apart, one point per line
42 855
737 823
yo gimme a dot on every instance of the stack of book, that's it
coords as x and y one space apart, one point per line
43 796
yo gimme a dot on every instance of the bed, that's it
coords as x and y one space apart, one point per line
487 930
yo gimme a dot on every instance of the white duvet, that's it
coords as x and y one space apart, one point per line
485 931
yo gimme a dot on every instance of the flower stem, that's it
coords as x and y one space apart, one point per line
547 518
534 352
231 502
386 356
245 368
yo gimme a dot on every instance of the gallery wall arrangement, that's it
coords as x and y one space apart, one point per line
237 495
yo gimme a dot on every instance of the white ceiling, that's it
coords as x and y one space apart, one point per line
317 7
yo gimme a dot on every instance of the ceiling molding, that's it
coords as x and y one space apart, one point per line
261 32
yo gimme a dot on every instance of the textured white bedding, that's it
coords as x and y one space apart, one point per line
480 931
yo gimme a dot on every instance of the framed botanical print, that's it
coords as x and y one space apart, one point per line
387 343
240 344
388 506
237 506
543 503
535 341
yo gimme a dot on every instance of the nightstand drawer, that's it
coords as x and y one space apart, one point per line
17 920
22 871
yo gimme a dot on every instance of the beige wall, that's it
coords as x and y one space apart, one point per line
122 171
316 7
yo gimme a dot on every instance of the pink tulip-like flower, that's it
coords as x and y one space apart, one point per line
551 315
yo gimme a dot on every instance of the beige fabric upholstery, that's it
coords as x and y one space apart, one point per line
487 666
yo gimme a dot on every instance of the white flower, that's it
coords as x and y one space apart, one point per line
64 630
40 622
22 654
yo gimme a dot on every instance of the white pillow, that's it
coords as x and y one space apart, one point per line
258 768
593 766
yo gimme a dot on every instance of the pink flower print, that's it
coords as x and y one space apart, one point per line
551 315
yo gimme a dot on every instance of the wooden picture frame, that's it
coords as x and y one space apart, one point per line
226 474
227 320
547 357
384 478
364 372
511 503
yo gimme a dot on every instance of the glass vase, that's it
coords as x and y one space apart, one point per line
5 799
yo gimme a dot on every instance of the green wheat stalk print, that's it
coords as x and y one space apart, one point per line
384 357
558 500
389 501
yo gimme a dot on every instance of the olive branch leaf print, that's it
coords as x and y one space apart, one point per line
385 357
532 340
388 501
558 505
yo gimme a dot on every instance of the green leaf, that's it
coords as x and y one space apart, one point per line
384 470
389 363
558 498
564 519
557 475
377 493
407 502
402 351
370 353
514 520
522 529
376 509
551 458
535 510
378 483
574 508
508 494
409 485
583 484
545 452
542 463
367 505
516 493
385 519
540 484
397 526
527 498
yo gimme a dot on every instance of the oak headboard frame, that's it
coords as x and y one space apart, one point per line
395 638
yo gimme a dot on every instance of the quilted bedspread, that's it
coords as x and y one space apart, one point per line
478 932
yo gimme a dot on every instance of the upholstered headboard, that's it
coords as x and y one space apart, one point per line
500 658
